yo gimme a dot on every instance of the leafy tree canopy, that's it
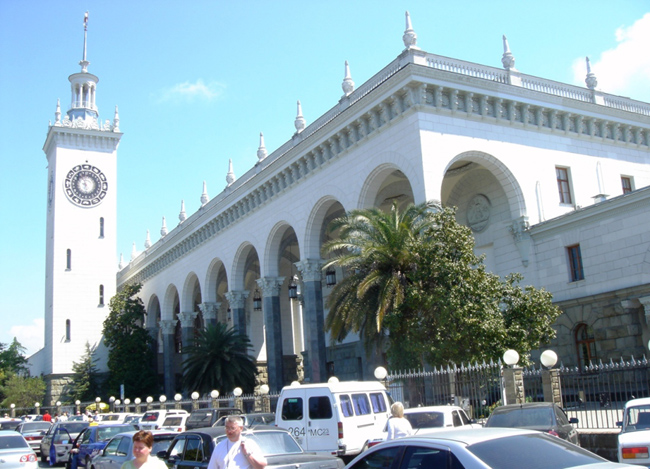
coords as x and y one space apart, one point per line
414 275
219 360
12 358
85 382
131 353
22 391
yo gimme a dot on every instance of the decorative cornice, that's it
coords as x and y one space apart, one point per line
487 105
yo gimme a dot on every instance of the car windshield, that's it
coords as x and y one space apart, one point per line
161 443
637 418
200 417
12 441
150 417
534 451
425 419
524 417
106 433
73 427
271 442
9 424
132 419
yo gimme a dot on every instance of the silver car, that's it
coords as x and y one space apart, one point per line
497 448
119 449
15 453
33 433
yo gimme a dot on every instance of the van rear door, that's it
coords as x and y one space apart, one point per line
290 414
322 423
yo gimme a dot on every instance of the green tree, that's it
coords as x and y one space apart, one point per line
376 248
12 358
450 309
85 381
130 347
219 359
23 391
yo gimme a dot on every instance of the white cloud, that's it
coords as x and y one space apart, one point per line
624 70
31 336
190 92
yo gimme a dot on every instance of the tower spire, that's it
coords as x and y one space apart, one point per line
84 63
83 110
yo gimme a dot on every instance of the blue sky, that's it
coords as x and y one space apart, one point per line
197 81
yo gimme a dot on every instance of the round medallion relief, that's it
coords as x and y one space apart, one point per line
478 213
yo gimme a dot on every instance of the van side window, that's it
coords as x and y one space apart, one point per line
320 408
292 409
346 406
361 404
378 402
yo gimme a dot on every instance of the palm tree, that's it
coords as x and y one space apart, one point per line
219 360
375 248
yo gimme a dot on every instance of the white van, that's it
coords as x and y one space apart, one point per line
153 419
334 418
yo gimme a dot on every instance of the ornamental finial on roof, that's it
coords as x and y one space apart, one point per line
261 151
348 84
134 252
591 80
230 176
204 195
147 241
57 114
116 121
508 60
84 63
182 216
121 264
163 229
410 38
300 121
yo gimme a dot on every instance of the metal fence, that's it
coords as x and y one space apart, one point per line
594 394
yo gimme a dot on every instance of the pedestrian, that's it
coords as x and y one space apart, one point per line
397 425
142 445
47 417
236 452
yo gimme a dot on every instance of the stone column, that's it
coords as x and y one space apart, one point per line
270 287
187 329
513 385
168 328
209 311
153 333
313 318
551 386
237 301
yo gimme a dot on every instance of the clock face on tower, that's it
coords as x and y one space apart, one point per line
85 185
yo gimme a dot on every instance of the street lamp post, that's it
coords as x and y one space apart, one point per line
162 399
127 401
37 406
177 398
117 403
513 379
239 402
13 410
551 378
137 402
58 408
266 400
97 401
77 404
111 401
195 400
214 394
149 402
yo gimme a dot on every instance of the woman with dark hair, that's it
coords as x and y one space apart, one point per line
142 444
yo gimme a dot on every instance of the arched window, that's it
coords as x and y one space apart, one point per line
101 227
585 345
68 259
67 330
101 295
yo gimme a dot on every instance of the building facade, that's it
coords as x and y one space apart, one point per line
551 178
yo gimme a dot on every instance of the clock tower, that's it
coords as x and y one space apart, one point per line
81 242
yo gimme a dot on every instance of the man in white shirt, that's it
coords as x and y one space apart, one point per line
236 452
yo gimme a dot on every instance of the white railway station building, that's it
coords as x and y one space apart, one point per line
553 179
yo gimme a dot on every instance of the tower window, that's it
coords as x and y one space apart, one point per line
626 182
101 227
585 345
67 330
575 263
68 259
563 185
101 295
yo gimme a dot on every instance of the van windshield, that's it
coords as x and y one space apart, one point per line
200 417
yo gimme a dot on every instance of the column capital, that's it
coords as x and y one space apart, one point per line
187 318
270 286
310 269
168 326
236 298
209 310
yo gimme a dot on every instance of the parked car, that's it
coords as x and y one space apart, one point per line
634 438
474 448
112 417
92 440
175 422
542 416
432 417
15 452
9 424
207 417
153 419
192 449
60 436
267 418
133 419
119 449
33 433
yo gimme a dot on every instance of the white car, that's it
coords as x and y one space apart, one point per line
481 448
15 452
634 439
